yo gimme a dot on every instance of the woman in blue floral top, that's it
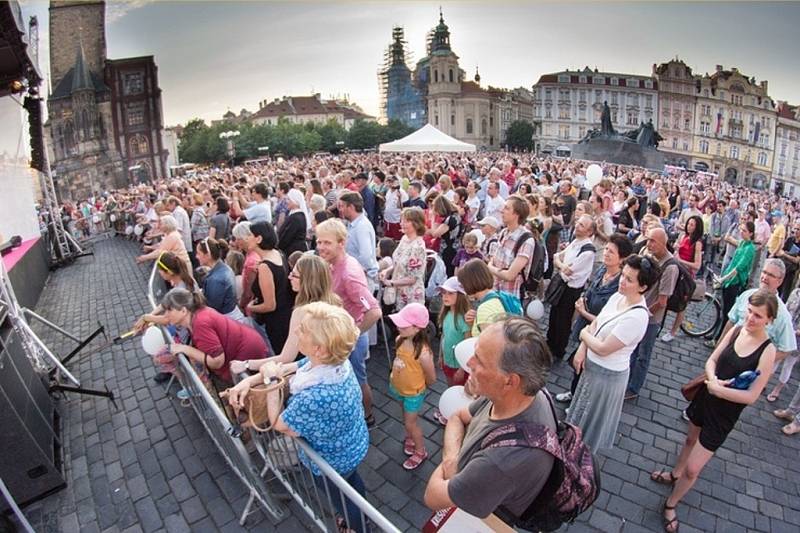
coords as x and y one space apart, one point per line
325 404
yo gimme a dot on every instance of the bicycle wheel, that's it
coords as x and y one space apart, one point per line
701 317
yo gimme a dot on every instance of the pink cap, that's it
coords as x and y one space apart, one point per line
411 315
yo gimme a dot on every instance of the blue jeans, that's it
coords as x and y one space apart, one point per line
640 358
358 358
352 510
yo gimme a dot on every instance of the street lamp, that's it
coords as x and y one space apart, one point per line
229 136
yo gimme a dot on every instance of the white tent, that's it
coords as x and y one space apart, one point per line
427 139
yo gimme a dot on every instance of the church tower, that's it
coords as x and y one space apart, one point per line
73 24
444 84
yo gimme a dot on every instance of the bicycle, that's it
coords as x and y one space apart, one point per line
704 315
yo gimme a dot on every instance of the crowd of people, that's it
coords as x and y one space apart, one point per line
283 269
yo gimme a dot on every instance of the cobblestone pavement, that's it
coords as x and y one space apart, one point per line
149 466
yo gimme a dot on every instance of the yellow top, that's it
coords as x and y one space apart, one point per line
407 376
776 239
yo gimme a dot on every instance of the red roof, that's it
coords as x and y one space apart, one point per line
622 79
306 105
470 87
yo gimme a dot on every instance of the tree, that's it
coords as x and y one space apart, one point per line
519 135
191 146
364 135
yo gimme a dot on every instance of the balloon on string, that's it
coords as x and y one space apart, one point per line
464 351
535 310
452 400
113 218
138 230
593 175
96 219
153 340
128 230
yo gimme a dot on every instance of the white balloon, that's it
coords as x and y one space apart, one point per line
138 230
128 230
113 218
535 310
593 175
96 219
464 351
452 400
153 340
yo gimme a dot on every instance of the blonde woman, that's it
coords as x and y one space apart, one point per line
172 242
311 280
325 404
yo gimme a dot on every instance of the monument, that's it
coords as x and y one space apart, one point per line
636 147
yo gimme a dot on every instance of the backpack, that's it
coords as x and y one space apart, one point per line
534 270
684 287
511 303
573 484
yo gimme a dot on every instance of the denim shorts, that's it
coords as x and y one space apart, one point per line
358 358
411 404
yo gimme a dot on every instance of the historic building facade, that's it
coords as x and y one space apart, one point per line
401 99
786 161
676 103
735 123
567 104
105 120
461 108
304 109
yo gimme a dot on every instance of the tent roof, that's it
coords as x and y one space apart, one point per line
427 139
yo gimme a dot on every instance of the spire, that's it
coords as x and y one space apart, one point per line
81 77
477 75
441 35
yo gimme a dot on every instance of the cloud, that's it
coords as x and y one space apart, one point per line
119 8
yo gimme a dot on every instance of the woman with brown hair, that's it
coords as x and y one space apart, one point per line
478 283
448 230
407 273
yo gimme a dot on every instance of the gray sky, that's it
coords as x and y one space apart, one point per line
213 56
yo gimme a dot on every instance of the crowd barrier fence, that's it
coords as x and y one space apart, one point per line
279 454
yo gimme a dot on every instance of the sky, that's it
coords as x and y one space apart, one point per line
216 56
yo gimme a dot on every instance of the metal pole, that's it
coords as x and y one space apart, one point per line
14 507
46 322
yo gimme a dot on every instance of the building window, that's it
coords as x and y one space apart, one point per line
436 120
491 122
547 113
582 79
139 145
614 116
483 127
632 118
705 127
704 147
469 126
435 75
563 113
648 84
133 83
734 152
674 143
762 158
451 75
563 78
135 114
614 81
599 80
614 98
687 124
452 120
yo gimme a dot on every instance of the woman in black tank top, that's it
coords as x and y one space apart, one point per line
716 407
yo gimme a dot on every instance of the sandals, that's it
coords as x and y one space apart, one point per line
663 477
668 524
413 462
772 397
791 429
439 417
784 414
408 446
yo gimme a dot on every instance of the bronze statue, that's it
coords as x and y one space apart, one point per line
606 128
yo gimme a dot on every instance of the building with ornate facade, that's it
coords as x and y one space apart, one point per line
676 103
463 109
304 109
786 161
568 104
401 99
104 116
735 123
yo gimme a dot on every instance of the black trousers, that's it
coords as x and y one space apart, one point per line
729 295
560 324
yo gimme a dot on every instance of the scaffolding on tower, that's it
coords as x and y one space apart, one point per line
399 98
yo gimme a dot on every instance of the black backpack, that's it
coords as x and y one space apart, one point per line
574 481
534 270
684 287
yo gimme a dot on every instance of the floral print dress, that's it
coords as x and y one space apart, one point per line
409 261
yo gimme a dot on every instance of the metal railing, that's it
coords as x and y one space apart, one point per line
323 498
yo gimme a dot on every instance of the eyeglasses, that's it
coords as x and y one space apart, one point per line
162 266
771 275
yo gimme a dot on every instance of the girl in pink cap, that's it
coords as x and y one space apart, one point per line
412 372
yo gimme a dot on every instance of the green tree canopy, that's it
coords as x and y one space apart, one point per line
519 135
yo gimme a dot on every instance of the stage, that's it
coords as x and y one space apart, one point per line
28 269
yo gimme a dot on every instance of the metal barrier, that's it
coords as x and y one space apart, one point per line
317 496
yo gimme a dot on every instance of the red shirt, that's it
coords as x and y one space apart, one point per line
686 251
215 334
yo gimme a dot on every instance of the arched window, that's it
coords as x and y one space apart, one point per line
452 120
87 126
469 126
483 127
435 75
139 145
451 75
762 158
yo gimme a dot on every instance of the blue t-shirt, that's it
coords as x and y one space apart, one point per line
219 288
259 212
331 419
780 332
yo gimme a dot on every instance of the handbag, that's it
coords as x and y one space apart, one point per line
389 295
254 413
689 390
555 289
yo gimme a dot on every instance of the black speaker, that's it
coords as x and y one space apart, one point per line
31 464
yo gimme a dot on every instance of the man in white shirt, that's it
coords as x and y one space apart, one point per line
261 209
574 265
393 208
184 224
494 202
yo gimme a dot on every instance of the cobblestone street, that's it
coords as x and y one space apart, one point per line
149 465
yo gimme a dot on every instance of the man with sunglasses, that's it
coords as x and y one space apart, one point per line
656 297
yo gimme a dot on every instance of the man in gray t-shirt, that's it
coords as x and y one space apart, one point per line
509 370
